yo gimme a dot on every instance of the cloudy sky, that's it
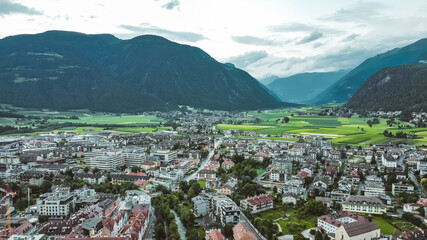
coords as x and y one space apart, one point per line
263 37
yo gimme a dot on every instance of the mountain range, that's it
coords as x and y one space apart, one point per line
342 90
69 70
393 88
300 88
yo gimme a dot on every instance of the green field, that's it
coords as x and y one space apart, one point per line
341 131
106 119
389 226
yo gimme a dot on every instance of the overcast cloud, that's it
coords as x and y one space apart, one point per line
265 38
9 7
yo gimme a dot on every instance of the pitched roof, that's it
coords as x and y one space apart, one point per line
360 227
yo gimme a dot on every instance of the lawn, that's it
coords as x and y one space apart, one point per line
385 226
259 171
389 226
202 183
288 226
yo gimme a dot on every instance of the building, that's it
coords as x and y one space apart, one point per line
204 174
359 204
374 188
388 161
137 197
225 190
58 204
225 209
200 206
290 198
242 232
133 157
348 225
91 178
257 203
164 155
120 178
103 160
215 235
226 165
397 188
362 229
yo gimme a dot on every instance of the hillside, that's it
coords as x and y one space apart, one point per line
342 90
68 70
393 88
301 87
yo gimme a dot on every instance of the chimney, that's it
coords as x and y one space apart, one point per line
370 218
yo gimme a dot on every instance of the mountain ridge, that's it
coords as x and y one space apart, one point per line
69 70
299 88
343 89
395 88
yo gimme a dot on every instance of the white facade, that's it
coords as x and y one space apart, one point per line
104 160
59 203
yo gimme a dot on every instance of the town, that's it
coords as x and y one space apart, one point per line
195 181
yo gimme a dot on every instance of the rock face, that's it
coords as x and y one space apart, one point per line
68 70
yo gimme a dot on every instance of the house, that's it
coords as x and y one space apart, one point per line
388 161
374 188
148 164
91 178
290 198
226 165
242 232
225 189
215 235
205 174
200 206
257 203
409 235
368 205
362 229
397 188
412 207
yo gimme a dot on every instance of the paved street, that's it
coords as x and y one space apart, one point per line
203 163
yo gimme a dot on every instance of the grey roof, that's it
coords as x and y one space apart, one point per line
367 200
360 227
91 223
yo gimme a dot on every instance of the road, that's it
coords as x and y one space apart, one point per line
149 233
254 230
417 184
203 163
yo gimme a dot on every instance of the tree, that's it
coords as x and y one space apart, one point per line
228 230
174 126
160 231
373 159
286 119
46 186
422 211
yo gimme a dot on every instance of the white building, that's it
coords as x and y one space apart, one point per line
397 188
58 204
104 160
164 155
388 161
137 197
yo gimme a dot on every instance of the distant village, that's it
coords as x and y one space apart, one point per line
108 185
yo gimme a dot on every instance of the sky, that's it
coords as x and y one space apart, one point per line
264 37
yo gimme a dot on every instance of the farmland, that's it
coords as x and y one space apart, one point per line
341 131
